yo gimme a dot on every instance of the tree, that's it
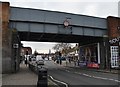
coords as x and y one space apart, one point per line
62 46
71 49
56 47
65 48
35 53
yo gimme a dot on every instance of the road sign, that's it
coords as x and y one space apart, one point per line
15 45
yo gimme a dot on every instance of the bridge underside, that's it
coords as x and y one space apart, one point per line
47 37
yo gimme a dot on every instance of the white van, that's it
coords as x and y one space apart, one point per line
38 57
39 60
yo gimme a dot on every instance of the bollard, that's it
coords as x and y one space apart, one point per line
42 78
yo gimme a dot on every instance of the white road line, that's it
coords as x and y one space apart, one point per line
78 73
117 81
111 79
100 78
59 81
53 82
67 70
95 76
87 75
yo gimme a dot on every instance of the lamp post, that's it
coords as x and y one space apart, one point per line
106 46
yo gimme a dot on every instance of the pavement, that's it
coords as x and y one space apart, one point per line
23 78
72 65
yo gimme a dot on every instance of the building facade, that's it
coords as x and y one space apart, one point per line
26 51
114 41
106 53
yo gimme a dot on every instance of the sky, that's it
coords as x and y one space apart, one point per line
97 8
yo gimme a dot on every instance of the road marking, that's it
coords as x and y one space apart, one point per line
87 75
58 81
100 78
53 82
111 79
78 73
67 70
95 76
117 80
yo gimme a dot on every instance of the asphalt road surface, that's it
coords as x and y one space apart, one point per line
81 78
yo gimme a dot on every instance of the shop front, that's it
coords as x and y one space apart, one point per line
115 52
89 56
114 56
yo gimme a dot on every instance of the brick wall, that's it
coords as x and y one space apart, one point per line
27 49
113 23
0 39
113 33
6 38
10 55
5 21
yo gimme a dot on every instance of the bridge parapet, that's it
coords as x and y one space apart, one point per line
52 22
53 17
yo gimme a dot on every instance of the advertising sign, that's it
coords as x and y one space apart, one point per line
82 63
114 56
90 55
93 65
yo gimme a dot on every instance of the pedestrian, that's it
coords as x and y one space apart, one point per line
26 61
30 59
20 59
69 60
74 62
78 61
60 62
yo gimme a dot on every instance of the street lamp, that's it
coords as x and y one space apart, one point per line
106 45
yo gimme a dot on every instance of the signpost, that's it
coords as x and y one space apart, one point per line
15 46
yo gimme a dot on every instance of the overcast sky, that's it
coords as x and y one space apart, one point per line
97 8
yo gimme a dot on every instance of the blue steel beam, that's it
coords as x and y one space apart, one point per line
44 16
43 21
59 29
